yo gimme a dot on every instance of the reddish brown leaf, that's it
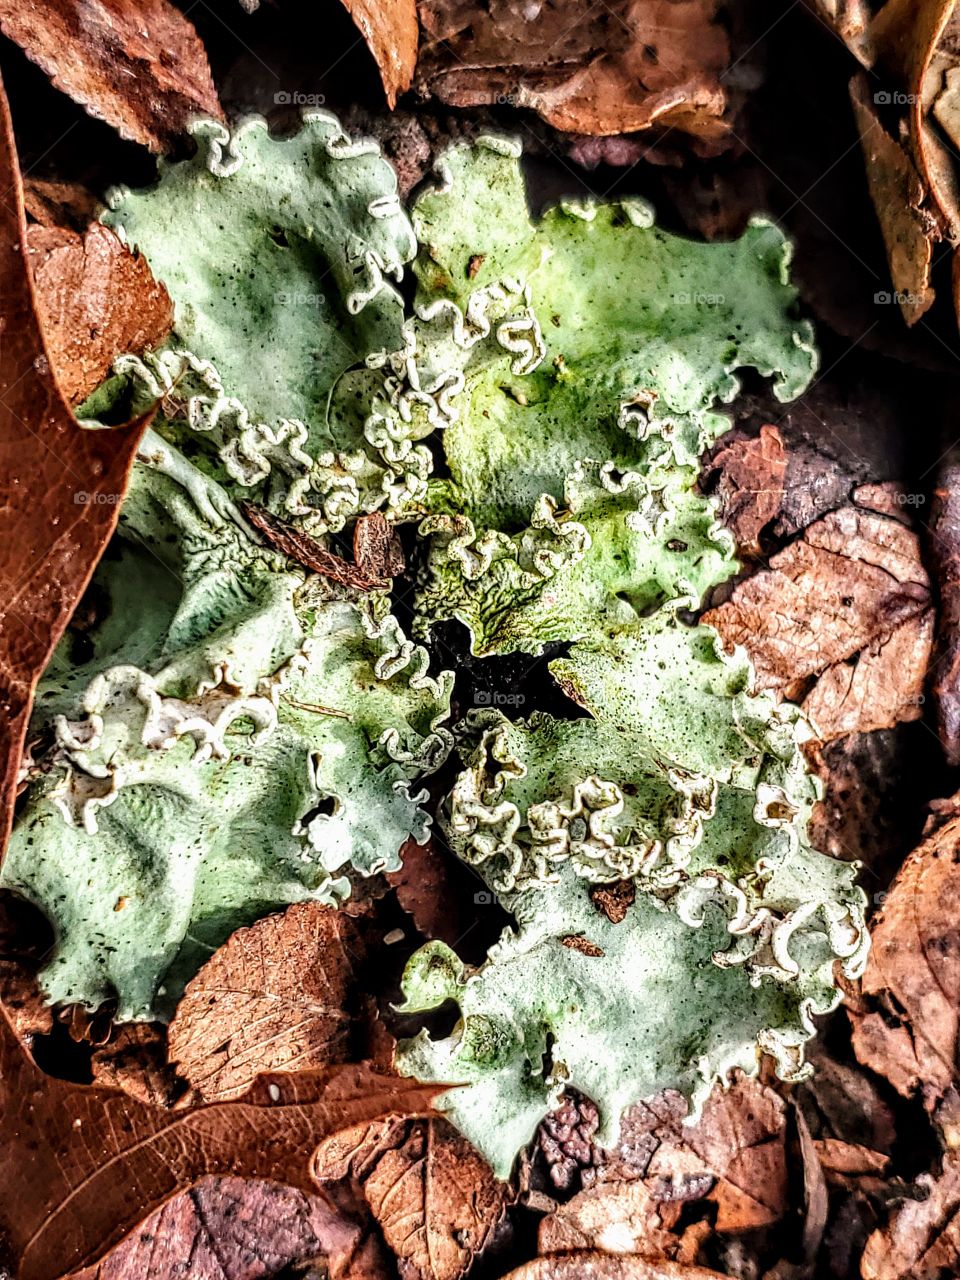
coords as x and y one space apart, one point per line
62 487
585 68
376 547
95 299
750 485
436 1200
134 1059
392 34
849 607
606 1266
436 889
141 67
230 1229
945 547
922 1239
306 551
83 1165
274 997
907 1029
59 204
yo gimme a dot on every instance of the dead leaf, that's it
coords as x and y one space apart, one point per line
922 1239
848 608
607 1266
945 548
898 195
134 1059
59 204
306 551
585 68
436 1200
275 997
443 896
141 67
82 1165
614 1217
392 34
62 487
376 547
750 475
907 1029
95 300
230 1229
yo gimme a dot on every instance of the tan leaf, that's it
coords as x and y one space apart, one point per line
613 1217
922 1239
392 34
96 299
848 607
586 68
898 196
607 1266
907 1030
141 67
275 997
236 1228
81 1165
62 488
436 1200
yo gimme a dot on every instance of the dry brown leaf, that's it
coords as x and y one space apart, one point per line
440 894
59 204
436 1200
922 1239
751 475
134 1059
376 547
140 67
907 1029
392 34
230 1229
81 1165
62 487
95 299
945 548
848 607
898 195
614 1217
275 997
607 1266
585 68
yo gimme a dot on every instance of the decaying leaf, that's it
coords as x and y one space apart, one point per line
275 997
141 67
909 230
605 1266
391 31
83 1165
228 1228
751 481
96 300
435 1199
847 609
908 1030
306 551
945 550
62 487
584 68
134 1058
922 1239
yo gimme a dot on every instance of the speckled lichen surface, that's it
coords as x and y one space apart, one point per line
235 733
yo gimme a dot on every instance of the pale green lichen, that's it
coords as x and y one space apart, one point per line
571 514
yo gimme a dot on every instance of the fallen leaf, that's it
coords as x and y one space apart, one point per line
922 1239
306 551
59 204
376 547
392 34
615 1217
585 68
907 1029
816 1199
751 474
436 1200
230 1229
443 896
945 549
62 487
95 300
83 1165
275 997
607 1266
847 607
898 195
848 1158
134 1059
141 68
